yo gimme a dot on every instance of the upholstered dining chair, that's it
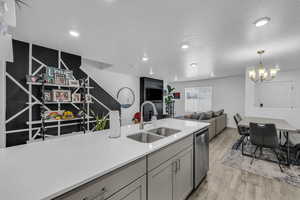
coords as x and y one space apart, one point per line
243 132
264 136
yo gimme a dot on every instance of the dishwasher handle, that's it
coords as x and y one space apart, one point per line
201 132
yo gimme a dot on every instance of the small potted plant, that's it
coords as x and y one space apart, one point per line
169 100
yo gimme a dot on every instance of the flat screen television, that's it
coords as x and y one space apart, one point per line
154 94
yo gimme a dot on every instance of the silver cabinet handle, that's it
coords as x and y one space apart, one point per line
99 196
179 164
175 166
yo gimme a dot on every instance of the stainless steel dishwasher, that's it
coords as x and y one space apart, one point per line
201 156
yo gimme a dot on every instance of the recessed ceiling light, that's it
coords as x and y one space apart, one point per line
212 74
145 59
74 33
194 65
185 46
262 21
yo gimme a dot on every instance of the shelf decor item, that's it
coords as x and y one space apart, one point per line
61 95
74 83
76 97
69 75
54 115
68 115
49 75
47 95
88 98
60 79
34 79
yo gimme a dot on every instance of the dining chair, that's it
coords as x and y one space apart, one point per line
243 132
239 116
264 136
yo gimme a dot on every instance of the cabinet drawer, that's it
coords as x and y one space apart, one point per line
157 158
135 191
107 185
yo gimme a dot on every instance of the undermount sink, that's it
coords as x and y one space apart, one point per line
163 131
144 137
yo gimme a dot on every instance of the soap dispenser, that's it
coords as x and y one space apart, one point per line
114 124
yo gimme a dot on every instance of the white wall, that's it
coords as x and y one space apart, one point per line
112 82
291 115
2 104
228 94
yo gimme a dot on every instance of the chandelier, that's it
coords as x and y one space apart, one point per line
261 73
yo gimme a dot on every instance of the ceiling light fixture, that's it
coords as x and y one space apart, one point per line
185 46
194 65
151 72
74 33
262 21
261 73
145 58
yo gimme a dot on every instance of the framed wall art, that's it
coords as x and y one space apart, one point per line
61 95
74 83
76 97
47 96
60 79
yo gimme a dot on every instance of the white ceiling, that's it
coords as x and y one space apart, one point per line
221 33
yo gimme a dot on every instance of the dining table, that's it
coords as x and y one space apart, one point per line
281 125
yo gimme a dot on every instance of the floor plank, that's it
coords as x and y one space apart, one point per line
225 183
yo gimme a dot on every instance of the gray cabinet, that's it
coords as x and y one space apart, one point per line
183 180
173 180
170 177
134 191
160 182
108 185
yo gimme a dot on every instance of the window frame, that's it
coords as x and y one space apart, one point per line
200 108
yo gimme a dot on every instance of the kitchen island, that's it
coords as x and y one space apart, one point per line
53 168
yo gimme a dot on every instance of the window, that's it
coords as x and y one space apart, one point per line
198 99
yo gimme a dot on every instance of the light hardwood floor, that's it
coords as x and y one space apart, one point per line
225 183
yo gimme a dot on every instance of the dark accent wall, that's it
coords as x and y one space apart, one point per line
150 83
16 98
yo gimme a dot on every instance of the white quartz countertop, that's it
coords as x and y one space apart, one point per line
44 170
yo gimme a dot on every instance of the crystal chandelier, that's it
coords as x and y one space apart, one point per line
261 73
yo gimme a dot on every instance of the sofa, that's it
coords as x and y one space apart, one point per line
217 121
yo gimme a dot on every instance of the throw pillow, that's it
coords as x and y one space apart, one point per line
188 116
202 116
219 113
209 114
195 116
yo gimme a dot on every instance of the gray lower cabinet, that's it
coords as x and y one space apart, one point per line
170 177
183 181
173 180
134 191
160 182
118 184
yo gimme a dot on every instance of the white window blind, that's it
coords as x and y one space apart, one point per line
198 99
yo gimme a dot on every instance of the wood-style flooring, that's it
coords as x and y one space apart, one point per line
225 183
